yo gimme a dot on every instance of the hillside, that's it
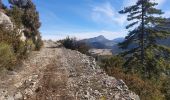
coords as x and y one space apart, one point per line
100 42
56 73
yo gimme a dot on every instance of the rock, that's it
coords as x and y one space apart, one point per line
18 84
134 96
5 21
20 31
12 73
11 98
96 92
18 96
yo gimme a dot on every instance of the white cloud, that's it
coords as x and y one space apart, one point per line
105 13
167 14
160 2
132 2
127 3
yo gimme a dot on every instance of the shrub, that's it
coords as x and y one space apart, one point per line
68 43
7 56
15 13
82 47
30 45
73 44
166 88
38 43
146 89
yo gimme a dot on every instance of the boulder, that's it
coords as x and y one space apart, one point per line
5 21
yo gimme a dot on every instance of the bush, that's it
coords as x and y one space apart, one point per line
38 43
166 88
7 56
30 45
82 47
68 43
146 89
15 14
73 44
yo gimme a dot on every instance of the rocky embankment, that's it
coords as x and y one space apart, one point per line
56 73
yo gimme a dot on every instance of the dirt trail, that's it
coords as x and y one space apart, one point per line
61 74
41 69
53 85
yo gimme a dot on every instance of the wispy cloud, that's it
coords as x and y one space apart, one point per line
160 2
106 13
131 2
167 14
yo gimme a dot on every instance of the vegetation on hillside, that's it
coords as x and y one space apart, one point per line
146 67
147 89
73 44
26 24
147 26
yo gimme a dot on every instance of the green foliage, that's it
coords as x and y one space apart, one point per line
115 61
7 56
72 43
16 13
146 89
68 43
82 47
166 88
146 57
12 49
148 29
38 43
21 3
30 44
30 20
27 19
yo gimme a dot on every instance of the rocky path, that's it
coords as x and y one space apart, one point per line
61 74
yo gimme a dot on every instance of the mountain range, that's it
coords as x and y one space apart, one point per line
100 42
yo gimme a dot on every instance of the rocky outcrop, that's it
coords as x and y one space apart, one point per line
62 74
5 21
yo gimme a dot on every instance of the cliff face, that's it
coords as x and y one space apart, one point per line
61 74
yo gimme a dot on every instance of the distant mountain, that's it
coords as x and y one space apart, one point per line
118 40
100 42
100 38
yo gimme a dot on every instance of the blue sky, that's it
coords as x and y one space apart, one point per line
86 18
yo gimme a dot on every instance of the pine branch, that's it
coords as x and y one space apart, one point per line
132 24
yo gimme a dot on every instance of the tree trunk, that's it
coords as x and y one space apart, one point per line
142 37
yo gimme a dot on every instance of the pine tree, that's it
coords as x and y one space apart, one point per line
21 3
147 27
